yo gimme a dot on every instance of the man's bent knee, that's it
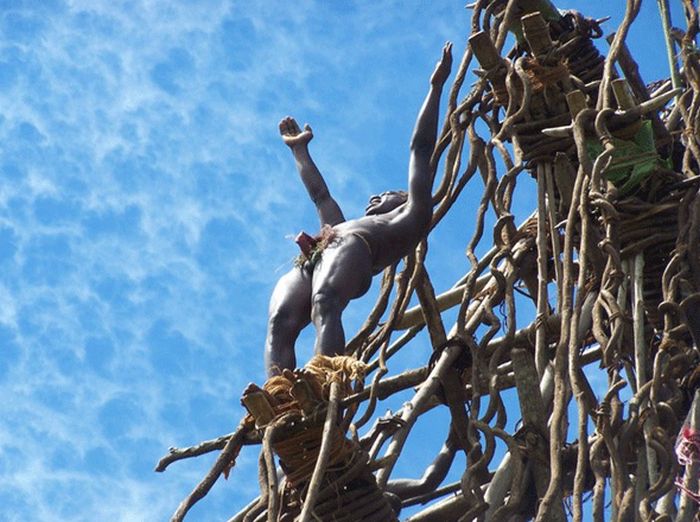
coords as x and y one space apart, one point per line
282 319
325 302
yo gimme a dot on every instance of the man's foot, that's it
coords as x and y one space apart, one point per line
251 388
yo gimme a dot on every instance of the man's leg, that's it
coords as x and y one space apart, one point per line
289 313
343 273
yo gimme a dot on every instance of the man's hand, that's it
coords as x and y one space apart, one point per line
443 67
292 135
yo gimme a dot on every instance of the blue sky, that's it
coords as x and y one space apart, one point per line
146 210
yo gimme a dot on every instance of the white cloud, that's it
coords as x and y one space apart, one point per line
148 198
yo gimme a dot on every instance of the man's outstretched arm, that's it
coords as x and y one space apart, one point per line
298 141
420 176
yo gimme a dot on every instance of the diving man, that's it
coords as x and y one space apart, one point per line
339 266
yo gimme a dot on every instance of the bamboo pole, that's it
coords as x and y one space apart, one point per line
666 24
323 454
541 346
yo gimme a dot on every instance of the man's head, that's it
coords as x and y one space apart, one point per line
385 202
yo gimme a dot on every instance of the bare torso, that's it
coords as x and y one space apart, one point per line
387 236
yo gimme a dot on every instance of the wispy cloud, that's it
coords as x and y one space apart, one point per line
144 202
145 198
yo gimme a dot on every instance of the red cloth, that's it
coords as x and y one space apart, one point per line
688 452
306 243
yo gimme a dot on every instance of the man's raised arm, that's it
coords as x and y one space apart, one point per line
420 178
297 140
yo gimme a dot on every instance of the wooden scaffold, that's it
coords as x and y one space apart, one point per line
610 258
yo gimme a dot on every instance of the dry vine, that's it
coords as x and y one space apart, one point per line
611 260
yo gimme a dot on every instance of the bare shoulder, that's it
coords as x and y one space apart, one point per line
398 221
389 236
375 224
